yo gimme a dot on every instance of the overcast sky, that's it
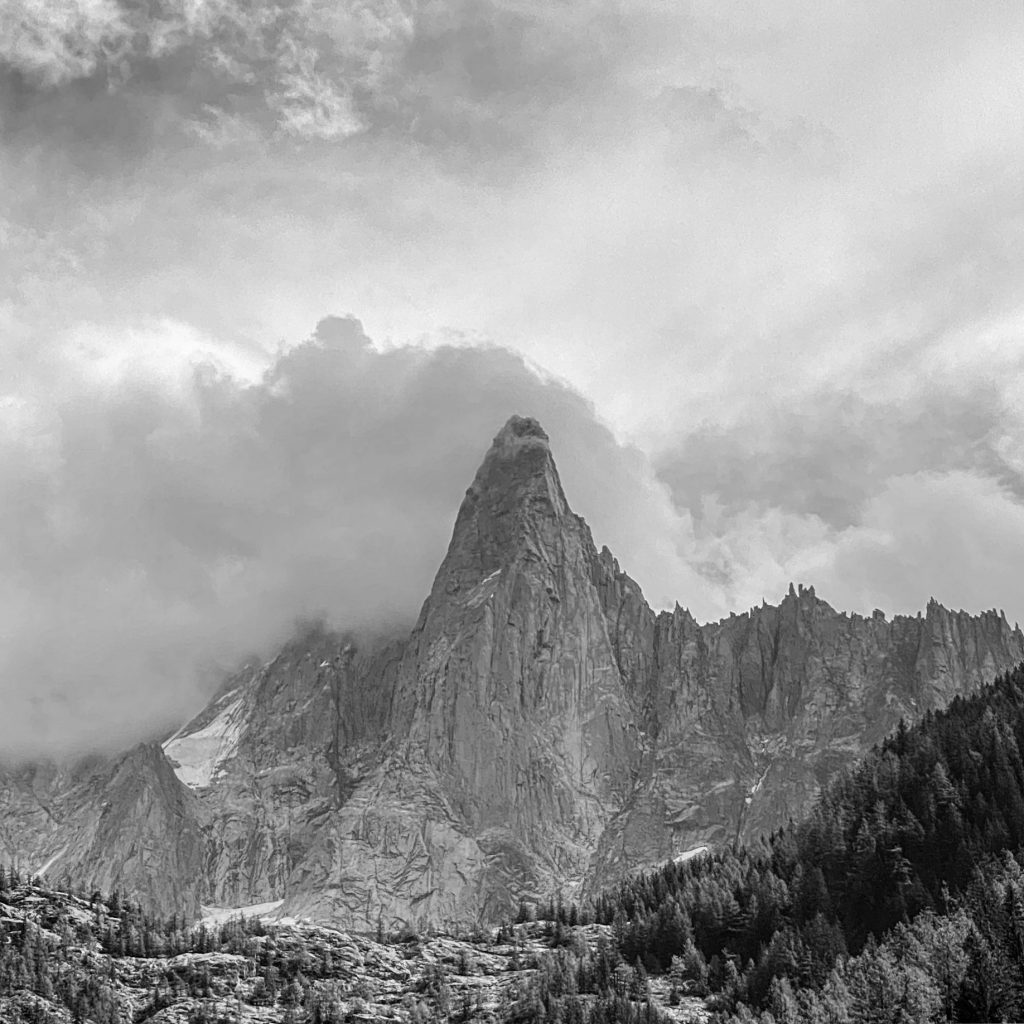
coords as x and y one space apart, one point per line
273 275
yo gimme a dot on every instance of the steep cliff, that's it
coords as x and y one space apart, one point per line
541 730
750 715
512 740
125 823
278 753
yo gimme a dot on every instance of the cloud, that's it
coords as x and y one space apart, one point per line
164 519
879 500
957 537
452 73
291 67
58 41
309 104
830 453
777 252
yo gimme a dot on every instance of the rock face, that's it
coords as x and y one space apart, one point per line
748 717
542 730
123 823
508 740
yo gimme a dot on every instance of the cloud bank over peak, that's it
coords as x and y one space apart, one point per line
166 518
160 526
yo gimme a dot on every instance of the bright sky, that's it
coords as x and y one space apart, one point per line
757 268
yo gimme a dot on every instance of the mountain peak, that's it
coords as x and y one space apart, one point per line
515 498
520 428
521 440
518 464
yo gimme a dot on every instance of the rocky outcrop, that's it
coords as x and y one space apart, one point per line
127 823
512 739
749 716
542 729
277 755
356 978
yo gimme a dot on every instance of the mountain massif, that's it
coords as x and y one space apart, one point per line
541 730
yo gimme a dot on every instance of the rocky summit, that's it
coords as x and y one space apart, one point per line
541 730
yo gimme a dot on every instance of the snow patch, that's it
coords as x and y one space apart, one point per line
53 860
483 590
219 915
196 757
681 858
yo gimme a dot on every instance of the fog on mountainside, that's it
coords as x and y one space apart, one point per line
165 526
157 535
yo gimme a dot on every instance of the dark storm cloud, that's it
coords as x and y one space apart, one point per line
454 74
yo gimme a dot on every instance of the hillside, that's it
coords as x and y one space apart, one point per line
899 897
65 957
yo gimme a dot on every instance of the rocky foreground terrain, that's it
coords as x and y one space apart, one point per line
65 957
542 730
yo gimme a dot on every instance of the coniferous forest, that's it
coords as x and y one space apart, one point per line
899 899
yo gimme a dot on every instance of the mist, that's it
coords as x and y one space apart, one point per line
159 527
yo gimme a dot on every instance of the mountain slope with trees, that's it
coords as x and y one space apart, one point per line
70 957
899 897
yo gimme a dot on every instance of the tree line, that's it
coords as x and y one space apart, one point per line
899 897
